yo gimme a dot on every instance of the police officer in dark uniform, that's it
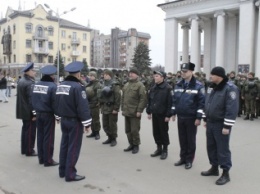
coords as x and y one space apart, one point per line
73 108
24 110
43 101
188 104
159 110
221 109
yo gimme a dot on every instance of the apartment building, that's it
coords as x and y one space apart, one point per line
36 36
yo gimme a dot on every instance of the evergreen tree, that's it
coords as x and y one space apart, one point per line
61 65
142 60
84 70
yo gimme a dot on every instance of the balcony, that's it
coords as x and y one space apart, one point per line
75 53
42 37
41 50
75 41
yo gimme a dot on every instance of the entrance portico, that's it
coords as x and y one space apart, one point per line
231 31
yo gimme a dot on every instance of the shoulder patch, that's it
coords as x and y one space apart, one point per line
84 95
233 95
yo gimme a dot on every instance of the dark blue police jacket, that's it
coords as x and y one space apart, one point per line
72 101
188 102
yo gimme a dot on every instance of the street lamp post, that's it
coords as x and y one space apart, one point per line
58 55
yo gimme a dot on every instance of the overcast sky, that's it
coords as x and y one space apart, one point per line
144 15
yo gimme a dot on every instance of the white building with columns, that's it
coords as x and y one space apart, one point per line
231 34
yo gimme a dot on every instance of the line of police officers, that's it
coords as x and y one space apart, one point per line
78 106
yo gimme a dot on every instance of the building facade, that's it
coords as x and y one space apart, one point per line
117 49
231 34
36 36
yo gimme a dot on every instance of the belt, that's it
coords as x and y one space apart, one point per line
215 120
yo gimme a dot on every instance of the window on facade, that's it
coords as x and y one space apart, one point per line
50 45
74 47
84 36
40 32
64 60
50 59
63 46
63 34
84 49
40 59
14 58
50 31
28 43
14 44
28 58
28 28
14 29
40 44
74 59
74 35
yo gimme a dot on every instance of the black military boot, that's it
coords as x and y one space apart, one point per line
224 178
108 141
93 134
113 142
247 117
129 148
97 136
213 171
135 149
251 117
164 153
157 152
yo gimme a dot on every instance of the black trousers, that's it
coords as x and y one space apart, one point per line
160 130
71 140
28 136
218 146
45 136
187 131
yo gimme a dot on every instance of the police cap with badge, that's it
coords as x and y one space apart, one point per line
187 66
48 70
28 67
74 67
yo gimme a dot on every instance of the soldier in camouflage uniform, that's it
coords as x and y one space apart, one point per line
91 89
250 94
170 80
258 100
178 77
133 104
109 98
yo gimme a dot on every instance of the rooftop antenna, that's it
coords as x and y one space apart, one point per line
88 23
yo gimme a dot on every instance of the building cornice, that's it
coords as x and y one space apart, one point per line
2 21
174 4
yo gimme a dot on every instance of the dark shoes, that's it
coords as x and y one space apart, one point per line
179 163
188 165
164 155
224 178
97 136
76 178
157 152
213 171
113 143
108 141
135 149
33 153
91 135
53 163
129 148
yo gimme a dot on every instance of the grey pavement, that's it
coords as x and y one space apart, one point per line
110 170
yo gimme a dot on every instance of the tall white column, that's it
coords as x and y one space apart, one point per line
246 38
220 42
171 45
257 65
185 43
195 55
207 46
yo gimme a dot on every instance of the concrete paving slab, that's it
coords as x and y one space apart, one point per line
110 170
